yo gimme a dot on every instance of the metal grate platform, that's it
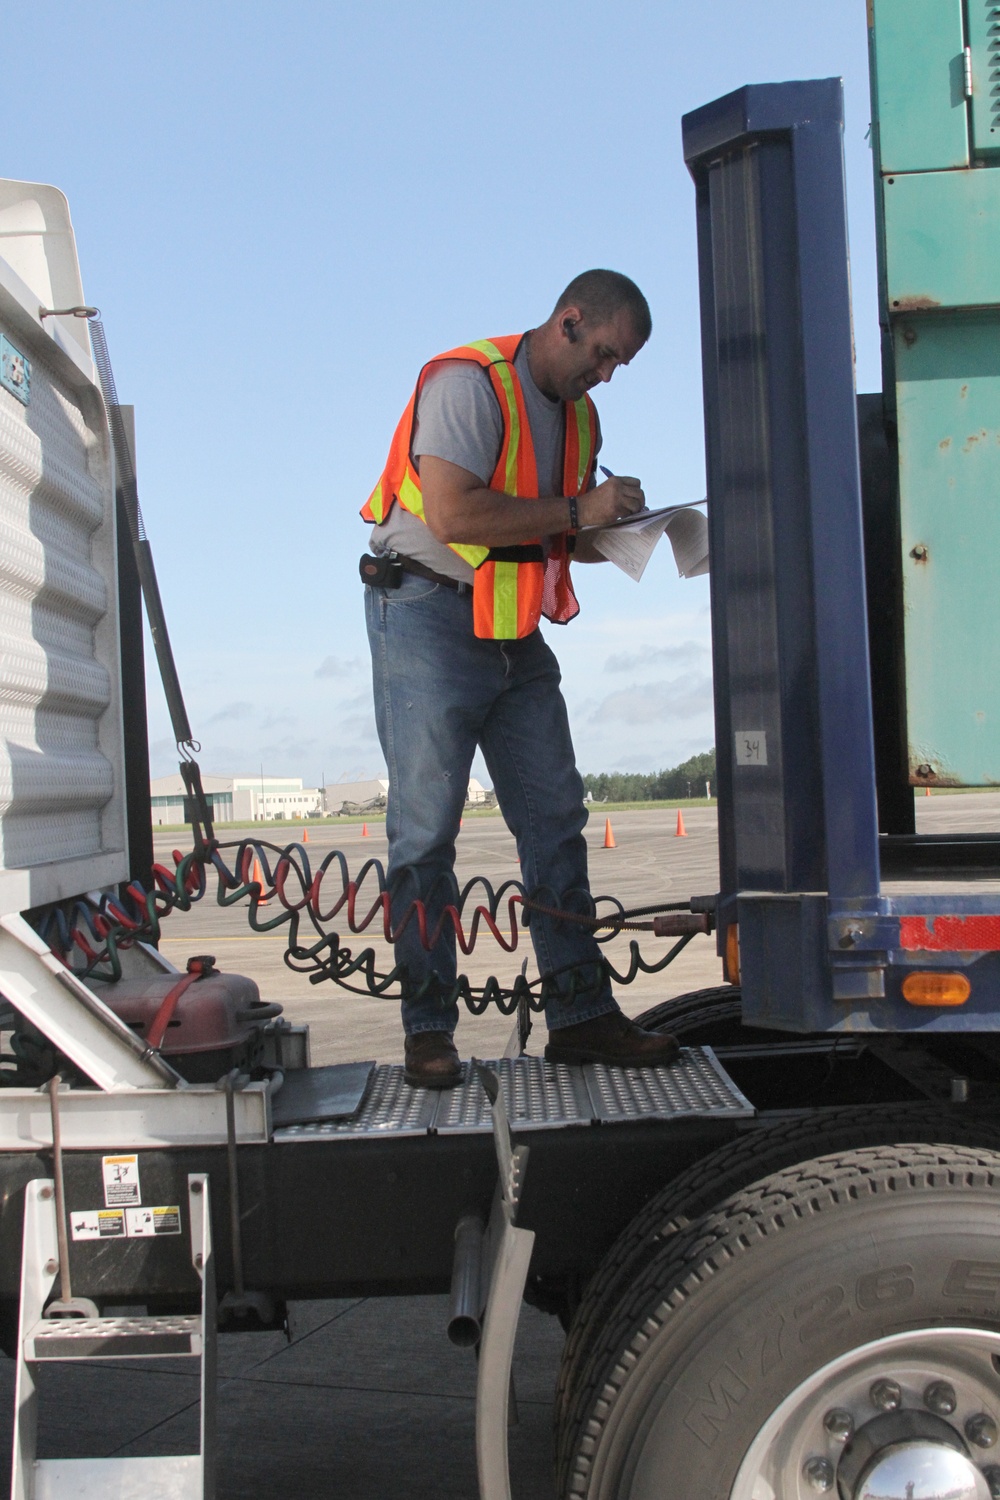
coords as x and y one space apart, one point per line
113 1338
540 1096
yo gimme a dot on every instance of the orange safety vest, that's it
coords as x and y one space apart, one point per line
513 586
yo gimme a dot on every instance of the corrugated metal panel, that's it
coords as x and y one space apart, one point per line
62 821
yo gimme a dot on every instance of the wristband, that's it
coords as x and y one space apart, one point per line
574 514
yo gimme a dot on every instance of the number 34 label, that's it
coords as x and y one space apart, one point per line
751 747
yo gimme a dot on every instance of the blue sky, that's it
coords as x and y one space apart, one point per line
284 209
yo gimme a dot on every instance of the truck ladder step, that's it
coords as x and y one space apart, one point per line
113 1338
46 1340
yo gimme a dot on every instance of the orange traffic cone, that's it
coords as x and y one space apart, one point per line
681 830
364 831
927 791
258 875
609 838
305 835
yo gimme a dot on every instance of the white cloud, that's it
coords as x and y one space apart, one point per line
686 654
231 711
657 702
336 666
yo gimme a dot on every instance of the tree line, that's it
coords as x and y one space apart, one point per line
686 780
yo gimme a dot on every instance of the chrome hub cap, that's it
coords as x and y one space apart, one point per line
922 1471
915 1416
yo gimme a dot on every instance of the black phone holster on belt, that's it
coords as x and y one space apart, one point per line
382 572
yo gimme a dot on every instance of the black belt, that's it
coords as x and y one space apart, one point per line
387 568
420 570
378 571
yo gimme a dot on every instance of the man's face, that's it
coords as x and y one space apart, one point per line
591 352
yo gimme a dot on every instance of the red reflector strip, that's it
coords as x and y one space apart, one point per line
950 934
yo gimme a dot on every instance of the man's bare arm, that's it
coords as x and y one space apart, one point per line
458 507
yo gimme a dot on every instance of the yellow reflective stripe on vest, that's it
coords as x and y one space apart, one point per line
412 498
583 441
469 553
376 504
505 601
513 421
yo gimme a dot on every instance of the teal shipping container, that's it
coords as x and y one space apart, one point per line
935 69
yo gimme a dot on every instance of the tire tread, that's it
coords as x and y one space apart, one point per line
689 1257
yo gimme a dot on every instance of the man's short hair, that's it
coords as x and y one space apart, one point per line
601 294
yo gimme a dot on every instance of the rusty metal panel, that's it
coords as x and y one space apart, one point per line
62 819
948 407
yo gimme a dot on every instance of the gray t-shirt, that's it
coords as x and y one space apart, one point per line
458 419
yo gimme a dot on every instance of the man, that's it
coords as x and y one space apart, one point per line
489 478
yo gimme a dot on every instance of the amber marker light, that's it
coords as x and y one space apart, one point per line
733 953
936 988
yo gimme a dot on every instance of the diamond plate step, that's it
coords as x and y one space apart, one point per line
540 1096
113 1338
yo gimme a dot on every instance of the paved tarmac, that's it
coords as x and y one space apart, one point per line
369 1400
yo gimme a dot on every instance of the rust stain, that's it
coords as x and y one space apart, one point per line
927 769
944 444
915 304
973 438
963 392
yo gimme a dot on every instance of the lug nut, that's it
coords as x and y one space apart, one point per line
981 1430
940 1398
818 1474
886 1395
992 1477
839 1424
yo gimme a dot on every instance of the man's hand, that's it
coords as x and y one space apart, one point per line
616 497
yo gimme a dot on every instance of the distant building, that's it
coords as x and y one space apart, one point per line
238 799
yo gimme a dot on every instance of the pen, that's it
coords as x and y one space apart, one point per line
606 472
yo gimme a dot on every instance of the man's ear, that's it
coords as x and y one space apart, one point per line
570 319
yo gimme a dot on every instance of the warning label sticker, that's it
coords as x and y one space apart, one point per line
121 1181
121 1223
98 1224
144 1222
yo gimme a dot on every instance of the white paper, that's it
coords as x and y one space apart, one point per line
751 747
629 541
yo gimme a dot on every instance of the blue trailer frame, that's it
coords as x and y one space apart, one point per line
804 918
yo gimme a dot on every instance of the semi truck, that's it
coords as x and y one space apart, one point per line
777 1260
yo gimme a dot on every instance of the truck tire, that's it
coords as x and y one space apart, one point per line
718 1007
704 1018
752 1156
740 1309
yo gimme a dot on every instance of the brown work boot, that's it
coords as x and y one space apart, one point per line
611 1039
431 1061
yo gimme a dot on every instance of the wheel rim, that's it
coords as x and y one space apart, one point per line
915 1416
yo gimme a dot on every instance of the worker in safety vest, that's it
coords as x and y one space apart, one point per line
489 479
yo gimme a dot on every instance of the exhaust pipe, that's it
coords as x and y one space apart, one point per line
465 1307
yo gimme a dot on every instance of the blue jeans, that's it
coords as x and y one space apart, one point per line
440 692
